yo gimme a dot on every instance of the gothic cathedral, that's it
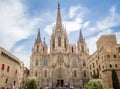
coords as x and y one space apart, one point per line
65 63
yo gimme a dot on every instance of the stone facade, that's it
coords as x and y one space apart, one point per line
65 64
106 58
11 70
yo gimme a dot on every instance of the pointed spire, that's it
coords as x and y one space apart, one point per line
44 41
38 40
81 39
58 5
58 20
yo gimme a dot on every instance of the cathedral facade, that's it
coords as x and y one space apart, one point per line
64 64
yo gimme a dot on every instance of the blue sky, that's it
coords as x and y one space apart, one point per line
20 20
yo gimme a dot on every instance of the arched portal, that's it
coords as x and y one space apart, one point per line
60 76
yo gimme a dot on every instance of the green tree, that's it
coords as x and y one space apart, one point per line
94 84
31 83
115 80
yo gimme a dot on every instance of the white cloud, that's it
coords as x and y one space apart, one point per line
73 25
112 20
86 24
49 29
77 11
103 27
75 20
15 25
22 54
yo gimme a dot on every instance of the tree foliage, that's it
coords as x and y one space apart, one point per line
94 84
31 83
115 80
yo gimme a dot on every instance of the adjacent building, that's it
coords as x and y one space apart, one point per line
65 64
106 58
11 70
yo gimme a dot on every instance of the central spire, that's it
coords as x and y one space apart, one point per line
38 40
81 39
58 20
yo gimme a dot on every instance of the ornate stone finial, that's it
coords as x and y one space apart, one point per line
38 40
81 39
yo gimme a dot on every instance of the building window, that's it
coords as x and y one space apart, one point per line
84 63
118 49
15 71
103 67
93 65
6 81
84 73
8 68
114 56
91 74
45 62
82 48
43 49
14 82
36 62
59 41
99 67
36 73
45 73
90 67
65 42
75 74
3 66
37 48
74 63
97 71
96 62
72 49
110 66
108 56
53 43
94 72
116 65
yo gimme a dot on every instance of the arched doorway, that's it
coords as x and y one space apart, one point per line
60 76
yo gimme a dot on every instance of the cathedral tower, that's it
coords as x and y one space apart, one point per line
59 40
82 48
39 46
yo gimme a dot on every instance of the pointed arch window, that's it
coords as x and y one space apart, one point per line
84 73
82 48
84 63
65 42
75 73
36 62
72 49
59 41
6 81
37 48
36 73
43 48
45 73
74 63
118 49
53 43
45 62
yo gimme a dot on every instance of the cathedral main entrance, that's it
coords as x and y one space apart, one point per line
60 82
61 77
